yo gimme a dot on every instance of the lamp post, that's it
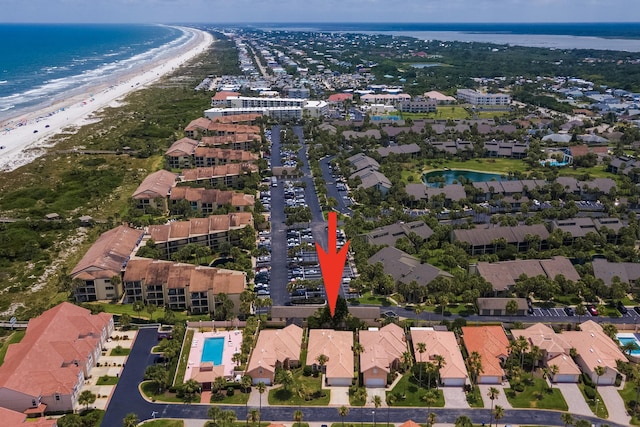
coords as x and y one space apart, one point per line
597 402
373 415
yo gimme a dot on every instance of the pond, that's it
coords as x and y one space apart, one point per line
453 175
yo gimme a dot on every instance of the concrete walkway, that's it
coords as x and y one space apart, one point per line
454 397
254 397
615 404
501 400
575 400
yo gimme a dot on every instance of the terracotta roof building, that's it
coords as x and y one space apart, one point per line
223 175
180 154
181 286
208 200
338 347
382 352
154 190
211 231
203 126
106 258
275 348
45 371
445 344
17 419
212 156
241 141
493 346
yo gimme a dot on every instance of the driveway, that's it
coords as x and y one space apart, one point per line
575 400
501 400
615 405
454 397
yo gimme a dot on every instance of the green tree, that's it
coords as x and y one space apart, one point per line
150 310
190 390
322 360
431 419
463 421
125 321
86 398
215 414
253 416
70 420
297 416
567 419
130 420
421 347
138 306
246 382
343 411
498 413
493 394
262 387
512 307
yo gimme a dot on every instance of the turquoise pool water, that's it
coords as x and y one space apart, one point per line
624 340
212 350
454 174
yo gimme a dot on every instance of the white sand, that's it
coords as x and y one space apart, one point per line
22 144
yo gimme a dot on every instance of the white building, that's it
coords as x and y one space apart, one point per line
478 98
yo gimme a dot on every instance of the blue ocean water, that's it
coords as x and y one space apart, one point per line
40 61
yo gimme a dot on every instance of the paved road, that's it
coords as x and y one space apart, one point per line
278 274
332 190
126 399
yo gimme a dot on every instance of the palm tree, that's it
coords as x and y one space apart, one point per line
599 370
322 360
498 413
553 371
343 411
138 306
535 354
86 398
227 418
377 401
567 419
422 347
297 416
430 398
130 420
580 311
493 395
406 360
391 399
214 413
246 382
190 389
440 363
253 416
444 302
431 419
463 421
262 387
430 369
475 366
627 348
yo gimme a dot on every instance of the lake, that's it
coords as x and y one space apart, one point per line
452 175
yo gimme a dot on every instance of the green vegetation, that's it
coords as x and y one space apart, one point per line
150 390
630 396
369 299
164 423
536 394
474 398
182 365
107 380
120 351
409 393
14 338
88 418
595 402
298 390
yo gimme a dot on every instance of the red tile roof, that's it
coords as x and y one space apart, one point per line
491 343
157 184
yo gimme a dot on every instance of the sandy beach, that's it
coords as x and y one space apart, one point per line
25 138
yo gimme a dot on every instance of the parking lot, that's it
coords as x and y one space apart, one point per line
560 312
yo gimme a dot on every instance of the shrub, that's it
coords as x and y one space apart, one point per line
230 391
586 379
590 392
519 387
307 371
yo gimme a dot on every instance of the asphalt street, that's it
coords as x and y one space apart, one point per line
332 190
127 399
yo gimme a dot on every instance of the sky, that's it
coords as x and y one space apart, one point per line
275 11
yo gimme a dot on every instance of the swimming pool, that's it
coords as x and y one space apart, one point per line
624 339
212 350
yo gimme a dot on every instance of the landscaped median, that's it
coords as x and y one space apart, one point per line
299 389
408 392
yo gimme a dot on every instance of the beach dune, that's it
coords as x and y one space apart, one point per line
25 138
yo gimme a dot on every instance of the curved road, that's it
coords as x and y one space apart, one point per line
126 399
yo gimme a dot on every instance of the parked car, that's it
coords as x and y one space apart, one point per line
570 311
637 309
592 310
621 308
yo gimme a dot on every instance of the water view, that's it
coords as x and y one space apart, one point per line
452 176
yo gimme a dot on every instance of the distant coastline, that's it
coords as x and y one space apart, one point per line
598 36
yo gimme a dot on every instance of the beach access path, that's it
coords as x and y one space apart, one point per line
25 138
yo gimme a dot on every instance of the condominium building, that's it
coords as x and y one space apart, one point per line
479 98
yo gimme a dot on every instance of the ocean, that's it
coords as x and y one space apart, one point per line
598 36
41 62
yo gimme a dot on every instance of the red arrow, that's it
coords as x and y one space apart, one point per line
332 263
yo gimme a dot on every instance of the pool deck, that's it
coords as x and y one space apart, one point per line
233 341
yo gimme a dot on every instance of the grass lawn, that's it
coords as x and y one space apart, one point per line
119 351
353 400
107 380
367 298
238 398
149 390
607 311
164 423
602 408
182 366
628 394
279 396
14 338
411 394
550 398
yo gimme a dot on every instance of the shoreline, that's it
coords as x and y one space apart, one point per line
24 143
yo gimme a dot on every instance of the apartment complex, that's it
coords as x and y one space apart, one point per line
211 231
181 286
208 200
478 98
44 372
106 259
228 175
